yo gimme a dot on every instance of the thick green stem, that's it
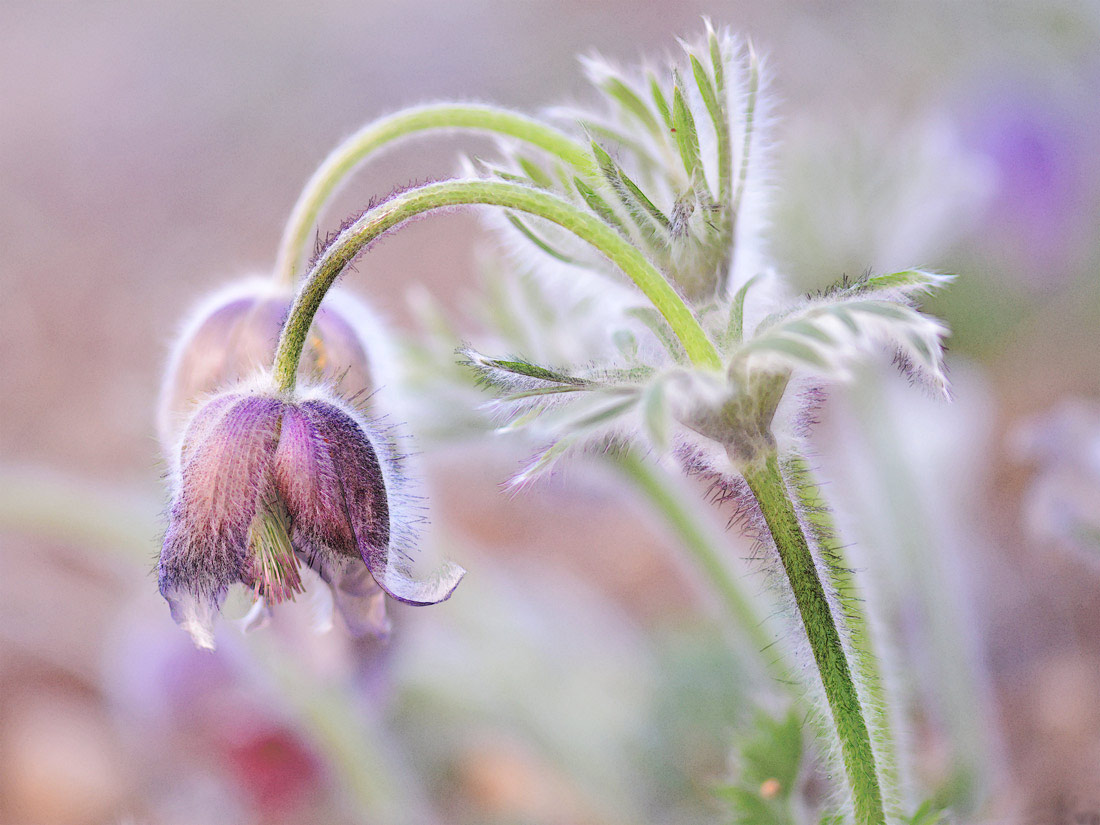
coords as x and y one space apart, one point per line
868 665
348 155
402 207
767 484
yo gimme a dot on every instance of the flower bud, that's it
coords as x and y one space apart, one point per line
234 334
266 484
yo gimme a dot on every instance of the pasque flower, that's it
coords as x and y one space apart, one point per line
233 333
268 483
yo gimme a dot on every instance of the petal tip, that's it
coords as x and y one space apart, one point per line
399 584
196 616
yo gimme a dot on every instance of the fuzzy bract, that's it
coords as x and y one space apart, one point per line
680 160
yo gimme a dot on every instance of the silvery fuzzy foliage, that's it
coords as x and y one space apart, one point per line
678 154
266 484
232 335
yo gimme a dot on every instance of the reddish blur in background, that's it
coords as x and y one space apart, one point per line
151 151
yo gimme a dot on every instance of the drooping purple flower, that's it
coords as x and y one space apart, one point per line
233 334
266 484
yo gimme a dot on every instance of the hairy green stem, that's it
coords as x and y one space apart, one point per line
400 208
343 160
868 664
768 486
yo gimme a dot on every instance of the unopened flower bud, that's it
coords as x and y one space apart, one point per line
233 335
267 483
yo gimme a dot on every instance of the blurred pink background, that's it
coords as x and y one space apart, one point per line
151 151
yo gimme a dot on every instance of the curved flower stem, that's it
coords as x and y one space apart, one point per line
665 499
400 208
769 488
343 160
868 664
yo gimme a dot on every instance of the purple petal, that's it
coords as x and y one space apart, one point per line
356 486
226 469
311 488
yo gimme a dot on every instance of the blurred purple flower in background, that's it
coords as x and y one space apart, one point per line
1039 144
1063 500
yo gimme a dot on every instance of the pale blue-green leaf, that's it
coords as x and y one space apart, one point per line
660 328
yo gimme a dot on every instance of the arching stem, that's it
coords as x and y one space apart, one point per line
343 160
409 204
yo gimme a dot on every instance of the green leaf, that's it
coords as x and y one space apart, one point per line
714 100
706 90
534 371
602 416
794 349
660 101
717 60
735 331
544 391
775 752
687 138
598 204
929 813
503 174
502 372
535 172
881 309
625 343
809 330
769 759
543 461
606 163
537 240
634 195
522 420
659 327
635 201
750 122
655 414
612 135
844 314
631 102
907 281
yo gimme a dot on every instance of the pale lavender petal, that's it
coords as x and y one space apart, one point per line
361 602
336 353
200 366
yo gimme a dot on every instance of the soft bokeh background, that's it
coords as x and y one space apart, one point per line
150 151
